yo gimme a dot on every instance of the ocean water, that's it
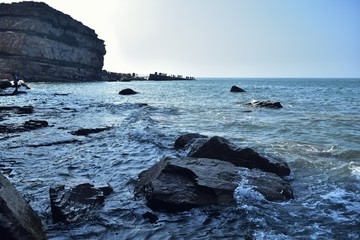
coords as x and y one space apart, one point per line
317 132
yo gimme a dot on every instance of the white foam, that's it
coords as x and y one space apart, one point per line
355 170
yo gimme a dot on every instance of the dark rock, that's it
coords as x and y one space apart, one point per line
87 131
25 110
185 183
43 44
5 84
267 104
69 205
151 216
71 141
27 126
17 219
35 124
17 109
222 149
127 91
270 185
236 89
187 139
142 104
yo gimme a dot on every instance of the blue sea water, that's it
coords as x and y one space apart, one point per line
317 132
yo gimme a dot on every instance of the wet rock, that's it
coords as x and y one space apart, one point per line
17 219
27 126
186 139
268 184
222 149
184 183
127 91
17 109
71 141
26 110
70 205
268 104
87 131
5 84
151 216
35 124
236 89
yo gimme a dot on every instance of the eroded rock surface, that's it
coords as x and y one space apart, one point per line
220 148
17 219
184 183
43 44
71 204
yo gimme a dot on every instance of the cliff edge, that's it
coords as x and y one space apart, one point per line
43 44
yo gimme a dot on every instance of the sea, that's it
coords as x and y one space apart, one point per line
317 132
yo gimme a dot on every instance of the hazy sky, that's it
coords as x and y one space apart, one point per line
225 38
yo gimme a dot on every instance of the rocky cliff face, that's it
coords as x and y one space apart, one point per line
43 44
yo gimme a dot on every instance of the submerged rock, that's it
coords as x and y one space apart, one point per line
17 109
27 126
127 91
87 131
17 219
222 149
69 205
268 104
184 183
236 89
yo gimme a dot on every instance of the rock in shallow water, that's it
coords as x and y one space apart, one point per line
186 139
17 219
220 148
267 104
69 205
127 91
184 183
236 89
87 131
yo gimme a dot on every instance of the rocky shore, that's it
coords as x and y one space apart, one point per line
213 170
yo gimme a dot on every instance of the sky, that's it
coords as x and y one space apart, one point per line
225 38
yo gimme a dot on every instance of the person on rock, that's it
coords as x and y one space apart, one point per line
16 83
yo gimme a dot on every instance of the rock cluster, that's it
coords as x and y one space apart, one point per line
43 44
210 175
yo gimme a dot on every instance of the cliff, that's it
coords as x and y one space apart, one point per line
43 44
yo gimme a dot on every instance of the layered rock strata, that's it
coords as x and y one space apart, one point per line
43 44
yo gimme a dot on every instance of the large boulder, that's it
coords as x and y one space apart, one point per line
184 183
17 219
71 204
43 44
220 148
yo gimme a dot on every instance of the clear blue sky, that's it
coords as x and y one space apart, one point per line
225 38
